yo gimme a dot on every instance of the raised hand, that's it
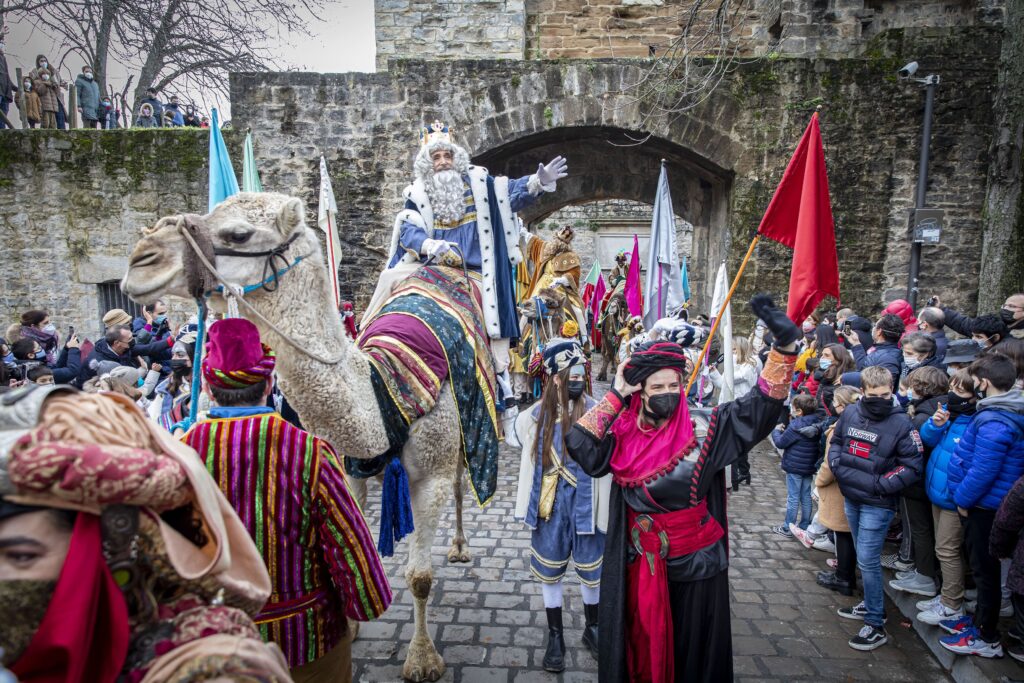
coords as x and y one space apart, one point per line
555 170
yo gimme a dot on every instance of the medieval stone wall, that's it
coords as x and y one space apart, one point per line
725 157
71 208
454 29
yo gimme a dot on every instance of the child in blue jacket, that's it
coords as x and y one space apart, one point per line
799 462
986 463
942 433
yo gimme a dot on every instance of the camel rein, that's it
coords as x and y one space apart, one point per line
234 293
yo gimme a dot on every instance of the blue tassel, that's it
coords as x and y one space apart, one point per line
395 508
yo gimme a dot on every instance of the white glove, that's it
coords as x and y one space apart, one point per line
434 248
524 234
556 170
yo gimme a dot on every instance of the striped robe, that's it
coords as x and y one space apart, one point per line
288 489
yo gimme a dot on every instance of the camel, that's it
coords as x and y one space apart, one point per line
613 318
328 379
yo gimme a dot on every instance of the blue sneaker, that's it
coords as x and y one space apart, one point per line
956 626
969 642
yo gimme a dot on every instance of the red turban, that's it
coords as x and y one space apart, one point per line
234 357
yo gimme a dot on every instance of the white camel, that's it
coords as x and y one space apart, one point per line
328 380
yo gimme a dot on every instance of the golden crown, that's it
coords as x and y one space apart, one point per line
435 132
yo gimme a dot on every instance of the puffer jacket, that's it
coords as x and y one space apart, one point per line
831 506
874 460
889 356
990 456
943 442
903 309
1006 540
88 93
800 453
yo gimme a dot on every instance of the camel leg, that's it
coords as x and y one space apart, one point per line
459 551
423 663
603 375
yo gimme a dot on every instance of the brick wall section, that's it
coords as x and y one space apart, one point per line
454 29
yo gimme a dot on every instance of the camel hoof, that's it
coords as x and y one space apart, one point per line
353 628
423 663
459 553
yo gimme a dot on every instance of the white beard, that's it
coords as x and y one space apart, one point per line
446 193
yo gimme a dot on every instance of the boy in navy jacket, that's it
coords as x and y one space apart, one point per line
799 462
986 463
875 454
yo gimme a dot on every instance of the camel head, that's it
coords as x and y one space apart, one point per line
163 263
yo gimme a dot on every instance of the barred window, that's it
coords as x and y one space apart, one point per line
111 296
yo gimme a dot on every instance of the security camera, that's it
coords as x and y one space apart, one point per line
909 70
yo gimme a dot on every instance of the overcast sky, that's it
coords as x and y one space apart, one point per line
342 42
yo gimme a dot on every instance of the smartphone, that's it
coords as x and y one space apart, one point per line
933 301
71 331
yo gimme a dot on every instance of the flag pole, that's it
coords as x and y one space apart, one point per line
721 312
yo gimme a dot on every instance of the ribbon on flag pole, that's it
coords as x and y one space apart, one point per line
223 182
327 215
250 176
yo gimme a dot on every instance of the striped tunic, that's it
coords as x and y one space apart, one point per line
288 489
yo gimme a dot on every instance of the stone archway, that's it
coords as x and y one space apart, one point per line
606 163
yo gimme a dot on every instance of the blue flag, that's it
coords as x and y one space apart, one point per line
223 182
686 281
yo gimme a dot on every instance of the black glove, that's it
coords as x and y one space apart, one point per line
784 330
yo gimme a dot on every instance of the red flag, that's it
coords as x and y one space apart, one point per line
633 290
800 217
600 289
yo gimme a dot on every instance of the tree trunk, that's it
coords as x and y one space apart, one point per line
99 67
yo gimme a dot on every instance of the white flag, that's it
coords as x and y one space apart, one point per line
725 331
327 220
664 290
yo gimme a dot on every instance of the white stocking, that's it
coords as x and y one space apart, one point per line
591 594
552 595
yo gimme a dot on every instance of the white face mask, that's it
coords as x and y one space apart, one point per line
46 77
44 65
88 74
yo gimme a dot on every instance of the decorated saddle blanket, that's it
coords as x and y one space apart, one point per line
431 329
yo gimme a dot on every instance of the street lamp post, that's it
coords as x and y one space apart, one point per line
930 83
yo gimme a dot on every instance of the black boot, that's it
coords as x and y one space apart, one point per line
832 581
554 656
590 630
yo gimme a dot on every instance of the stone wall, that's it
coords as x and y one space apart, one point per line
725 157
72 206
454 29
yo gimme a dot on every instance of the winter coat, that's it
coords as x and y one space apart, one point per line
923 409
941 344
862 328
156 352
943 442
6 84
147 122
1005 538
990 456
158 107
179 120
33 107
68 366
744 378
875 460
88 93
800 453
889 356
831 504
902 309
48 91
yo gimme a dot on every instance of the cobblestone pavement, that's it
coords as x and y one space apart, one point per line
487 617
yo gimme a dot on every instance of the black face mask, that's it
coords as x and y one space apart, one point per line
661 406
876 407
178 365
958 405
575 388
979 393
1006 315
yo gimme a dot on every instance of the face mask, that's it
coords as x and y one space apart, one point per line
1006 315
911 362
23 604
46 77
44 64
40 355
2 45
807 328
160 319
661 406
985 343
876 407
9 359
910 394
825 363
50 329
28 85
89 76
979 393
575 388
105 103
958 405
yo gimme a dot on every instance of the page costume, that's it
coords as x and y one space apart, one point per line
665 591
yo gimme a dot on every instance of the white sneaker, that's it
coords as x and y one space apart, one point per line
925 605
970 606
906 575
917 584
822 543
1006 609
938 612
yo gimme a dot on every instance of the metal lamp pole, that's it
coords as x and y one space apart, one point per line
930 84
